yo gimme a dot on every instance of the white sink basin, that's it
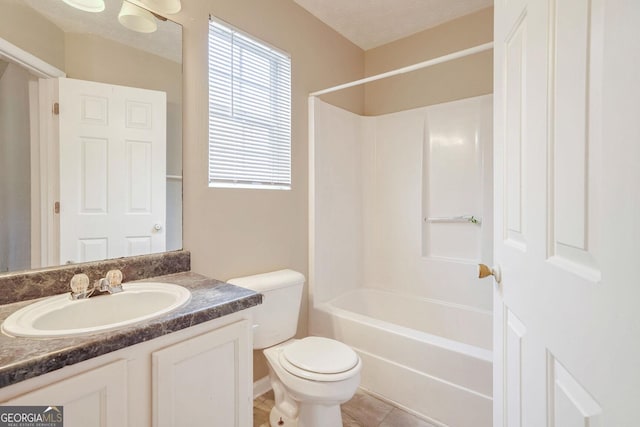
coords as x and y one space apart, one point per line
60 316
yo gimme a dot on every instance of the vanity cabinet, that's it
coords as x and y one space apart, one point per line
202 380
201 375
94 398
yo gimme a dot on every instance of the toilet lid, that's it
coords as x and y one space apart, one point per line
320 355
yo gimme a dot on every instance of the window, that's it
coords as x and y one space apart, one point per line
249 111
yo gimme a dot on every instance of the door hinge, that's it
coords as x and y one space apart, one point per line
56 207
56 108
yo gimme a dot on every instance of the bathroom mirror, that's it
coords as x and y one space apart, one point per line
84 46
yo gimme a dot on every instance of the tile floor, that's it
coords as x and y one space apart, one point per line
363 410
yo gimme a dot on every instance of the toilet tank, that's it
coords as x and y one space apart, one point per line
276 319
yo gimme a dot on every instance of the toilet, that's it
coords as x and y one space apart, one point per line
311 377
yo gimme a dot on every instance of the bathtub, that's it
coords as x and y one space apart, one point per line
428 357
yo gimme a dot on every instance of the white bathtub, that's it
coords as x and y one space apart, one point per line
429 357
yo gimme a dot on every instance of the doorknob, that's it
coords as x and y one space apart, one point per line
486 271
157 227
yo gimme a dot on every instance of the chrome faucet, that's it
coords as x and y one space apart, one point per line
111 283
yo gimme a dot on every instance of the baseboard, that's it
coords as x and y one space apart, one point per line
261 386
403 408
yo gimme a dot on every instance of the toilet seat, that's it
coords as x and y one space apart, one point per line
319 359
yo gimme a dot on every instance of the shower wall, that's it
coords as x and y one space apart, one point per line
377 182
336 233
430 163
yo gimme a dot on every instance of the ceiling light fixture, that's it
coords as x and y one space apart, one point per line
137 18
164 6
86 5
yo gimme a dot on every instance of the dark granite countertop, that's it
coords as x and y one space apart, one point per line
24 358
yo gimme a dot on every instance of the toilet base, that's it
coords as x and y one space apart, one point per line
278 419
314 415
309 415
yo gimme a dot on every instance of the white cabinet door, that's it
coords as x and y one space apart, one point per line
96 398
112 171
567 203
205 381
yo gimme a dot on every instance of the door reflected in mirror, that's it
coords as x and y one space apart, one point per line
105 169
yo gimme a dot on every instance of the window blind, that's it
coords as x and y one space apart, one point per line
249 111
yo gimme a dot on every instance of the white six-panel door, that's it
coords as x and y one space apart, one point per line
567 191
112 171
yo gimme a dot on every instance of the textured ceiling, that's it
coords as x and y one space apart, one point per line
372 23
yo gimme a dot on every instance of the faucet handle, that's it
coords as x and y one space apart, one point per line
114 277
80 287
79 283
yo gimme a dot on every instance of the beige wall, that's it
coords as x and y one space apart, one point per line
462 78
95 58
21 26
15 170
233 232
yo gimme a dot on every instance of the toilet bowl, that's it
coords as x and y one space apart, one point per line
318 374
311 376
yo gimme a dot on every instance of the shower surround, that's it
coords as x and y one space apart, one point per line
401 213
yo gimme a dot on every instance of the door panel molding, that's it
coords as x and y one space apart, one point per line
514 336
569 404
575 80
514 137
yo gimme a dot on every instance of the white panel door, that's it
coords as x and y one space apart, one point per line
567 203
112 171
